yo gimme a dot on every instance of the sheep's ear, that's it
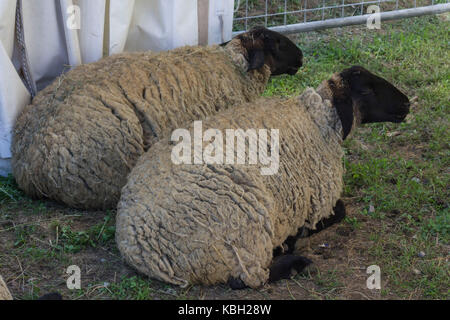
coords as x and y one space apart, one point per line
224 43
256 59
344 109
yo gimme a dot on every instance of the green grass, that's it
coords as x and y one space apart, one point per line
406 176
75 241
133 288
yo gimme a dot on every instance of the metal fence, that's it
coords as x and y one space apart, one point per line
292 16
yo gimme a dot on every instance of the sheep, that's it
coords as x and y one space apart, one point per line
4 292
81 136
210 223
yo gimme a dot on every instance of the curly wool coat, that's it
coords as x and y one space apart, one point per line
205 223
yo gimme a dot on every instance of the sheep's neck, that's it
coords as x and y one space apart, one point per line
323 114
237 53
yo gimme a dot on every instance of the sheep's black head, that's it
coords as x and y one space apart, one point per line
376 99
273 49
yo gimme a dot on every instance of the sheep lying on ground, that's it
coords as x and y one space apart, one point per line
81 136
4 292
211 223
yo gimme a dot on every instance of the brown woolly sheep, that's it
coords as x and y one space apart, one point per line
81 136
212 223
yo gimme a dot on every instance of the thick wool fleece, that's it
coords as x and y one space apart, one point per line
4 292
205 223
81 136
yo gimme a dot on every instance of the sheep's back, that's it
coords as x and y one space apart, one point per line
206 223
81 136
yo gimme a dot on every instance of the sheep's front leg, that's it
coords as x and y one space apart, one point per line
284 261
283 266
288 246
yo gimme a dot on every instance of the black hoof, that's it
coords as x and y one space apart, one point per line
283 266
236 283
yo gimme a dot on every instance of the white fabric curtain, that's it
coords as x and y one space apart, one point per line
61 34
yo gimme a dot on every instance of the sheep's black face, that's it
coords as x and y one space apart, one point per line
377 99
272 48
281 54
